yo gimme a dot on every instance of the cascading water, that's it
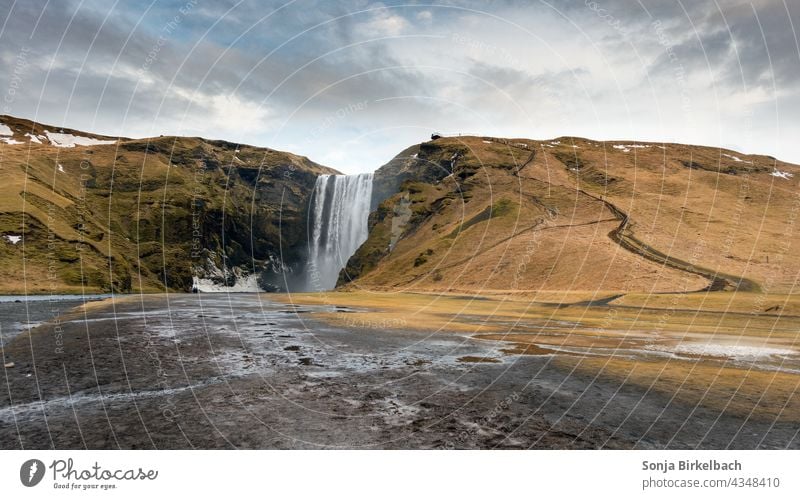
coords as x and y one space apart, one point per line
339 212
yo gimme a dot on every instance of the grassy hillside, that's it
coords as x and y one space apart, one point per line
573 214
83 212
144 214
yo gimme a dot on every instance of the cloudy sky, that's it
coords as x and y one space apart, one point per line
351 83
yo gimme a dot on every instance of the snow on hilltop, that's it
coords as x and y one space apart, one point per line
69 140
18 132
6 135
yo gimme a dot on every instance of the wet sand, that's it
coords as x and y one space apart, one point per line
20 313
240 371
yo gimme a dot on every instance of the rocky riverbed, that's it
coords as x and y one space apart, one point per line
241 371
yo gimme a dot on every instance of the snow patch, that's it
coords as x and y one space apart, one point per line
60 168
628 147
214 276
10 141
36 139
247 284
556 142
69 140
13 239
487 141
780 174
737 159
5 130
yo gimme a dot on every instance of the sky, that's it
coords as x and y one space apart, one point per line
351 83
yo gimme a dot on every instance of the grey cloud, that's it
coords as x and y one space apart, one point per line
723 37
228 59
207 67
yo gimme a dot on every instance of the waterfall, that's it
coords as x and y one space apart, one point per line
339 213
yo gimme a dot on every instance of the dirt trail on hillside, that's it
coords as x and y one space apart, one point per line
625 238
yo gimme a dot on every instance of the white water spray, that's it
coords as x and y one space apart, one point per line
340 211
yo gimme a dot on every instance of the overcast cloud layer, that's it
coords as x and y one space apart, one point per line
351 83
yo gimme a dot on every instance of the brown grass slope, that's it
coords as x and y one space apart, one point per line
144 214
573 214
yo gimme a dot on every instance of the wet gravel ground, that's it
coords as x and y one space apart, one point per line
20 313
237 371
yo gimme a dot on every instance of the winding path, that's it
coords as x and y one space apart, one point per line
624 237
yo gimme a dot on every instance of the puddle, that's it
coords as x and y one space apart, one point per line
526 349
737 352
479 360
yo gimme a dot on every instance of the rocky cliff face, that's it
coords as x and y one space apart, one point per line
81 212
392 207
